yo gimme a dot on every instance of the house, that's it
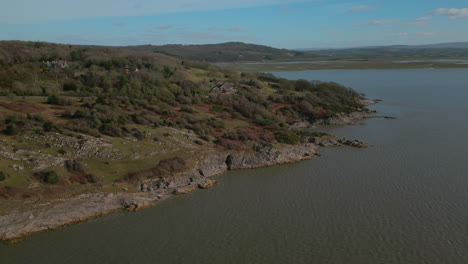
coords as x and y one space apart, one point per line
53 66
224 88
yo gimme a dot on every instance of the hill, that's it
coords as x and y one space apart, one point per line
442 50
448 45
225 52
77 119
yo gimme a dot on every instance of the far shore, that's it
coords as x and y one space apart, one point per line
330 64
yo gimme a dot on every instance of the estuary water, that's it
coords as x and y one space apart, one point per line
402 200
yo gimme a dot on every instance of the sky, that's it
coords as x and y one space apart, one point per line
279 23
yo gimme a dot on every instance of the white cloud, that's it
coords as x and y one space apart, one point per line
118 24
22 11
452 13
360 8
378 22
421 21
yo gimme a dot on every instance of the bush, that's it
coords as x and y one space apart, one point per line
11 130
70 86
50 127
51 177
2 176
58 100
111 129
287 138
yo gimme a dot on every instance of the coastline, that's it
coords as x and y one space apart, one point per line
55 215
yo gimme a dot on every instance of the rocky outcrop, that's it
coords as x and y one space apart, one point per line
47 217
55 215
344 119
350 118
332 141
268 156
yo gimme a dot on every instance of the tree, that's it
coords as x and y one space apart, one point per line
51 177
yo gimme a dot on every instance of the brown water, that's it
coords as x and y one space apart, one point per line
402 200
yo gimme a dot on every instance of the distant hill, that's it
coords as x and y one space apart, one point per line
441 50
449 45
225 52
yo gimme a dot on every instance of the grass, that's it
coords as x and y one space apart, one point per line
110 171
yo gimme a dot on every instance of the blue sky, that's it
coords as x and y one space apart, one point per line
278 23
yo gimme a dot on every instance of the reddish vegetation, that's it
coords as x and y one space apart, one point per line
77 179
232 144
23 107
13 192
260 133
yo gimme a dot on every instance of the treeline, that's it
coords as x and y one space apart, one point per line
226 52
395 53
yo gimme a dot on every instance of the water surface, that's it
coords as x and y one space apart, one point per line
402 200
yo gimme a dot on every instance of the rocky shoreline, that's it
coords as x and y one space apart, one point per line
58 214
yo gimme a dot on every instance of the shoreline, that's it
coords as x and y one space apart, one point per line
52 216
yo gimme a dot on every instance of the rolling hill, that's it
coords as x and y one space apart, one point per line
225 52
441 50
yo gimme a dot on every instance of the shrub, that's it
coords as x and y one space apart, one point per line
51 177
111 129
167 72
81 113
50 127
302 85
287 138
187 109
12 129
58 100
70 86
2 176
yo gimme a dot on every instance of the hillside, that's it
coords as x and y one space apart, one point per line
225 52
442 50
76 119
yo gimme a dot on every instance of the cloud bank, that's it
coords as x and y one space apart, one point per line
422 21
452 13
